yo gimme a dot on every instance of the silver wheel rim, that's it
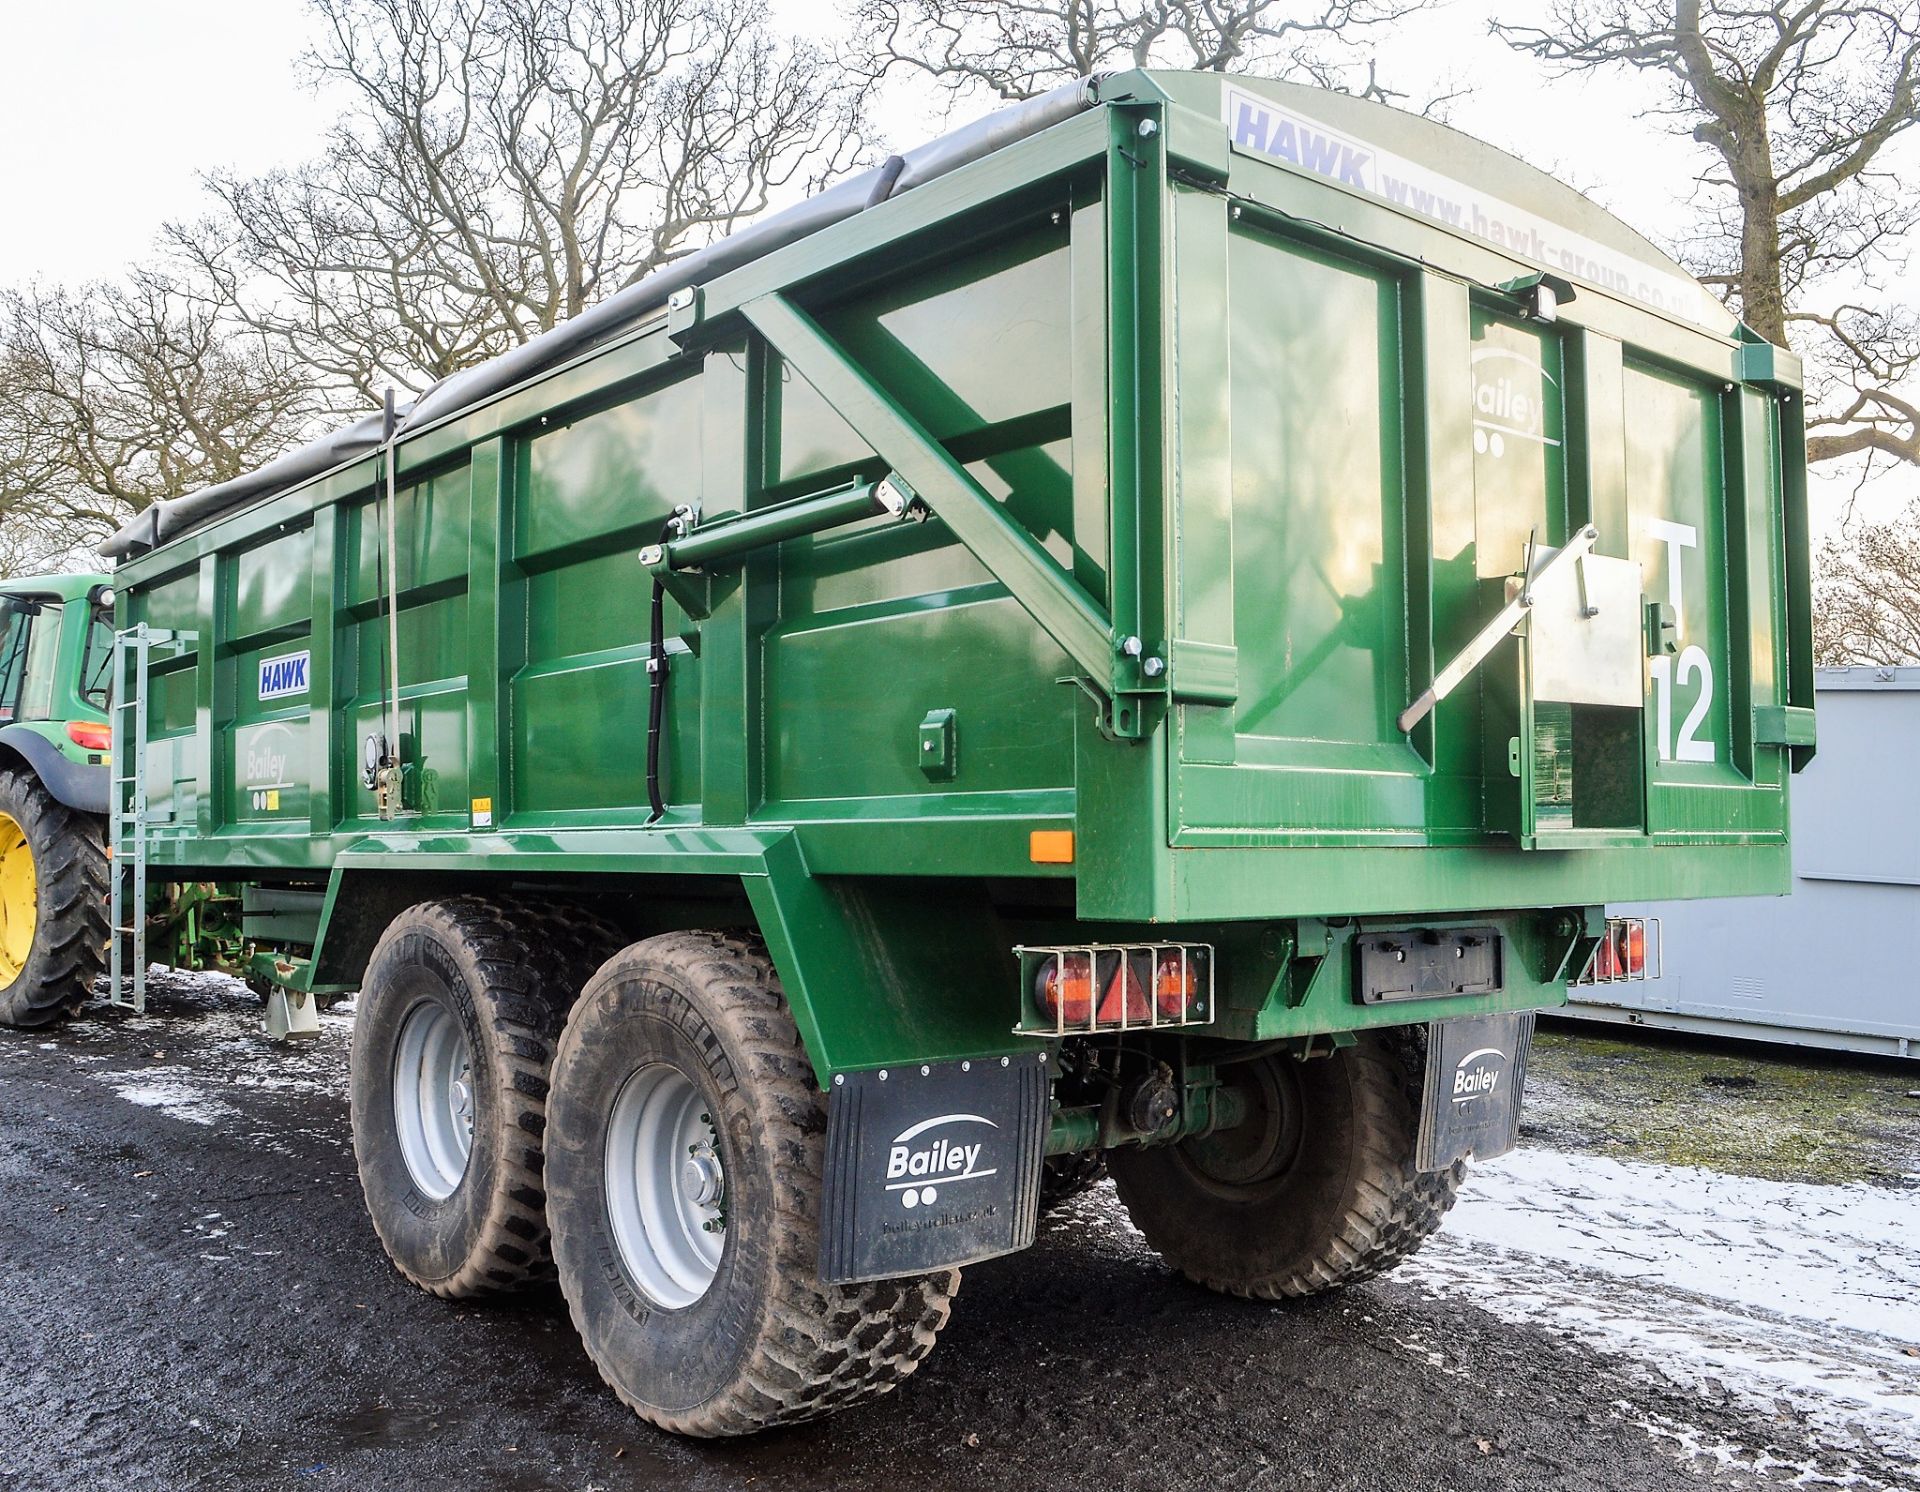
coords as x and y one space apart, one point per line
666 1187
433 1098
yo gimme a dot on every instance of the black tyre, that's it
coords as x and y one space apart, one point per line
685 1145
1068 1176
53 903
570 942
1316 1189
451 1046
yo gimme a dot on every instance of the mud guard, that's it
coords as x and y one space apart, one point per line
73 784
932 1165
1476 1071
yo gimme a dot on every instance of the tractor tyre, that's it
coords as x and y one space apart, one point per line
1315 1189
452 1041
685 1149
53 903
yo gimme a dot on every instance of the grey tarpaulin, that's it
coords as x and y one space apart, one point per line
169 520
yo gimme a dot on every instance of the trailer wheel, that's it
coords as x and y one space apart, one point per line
572 942
1315 1190
53 903
1065 1177
685 1146
451 1046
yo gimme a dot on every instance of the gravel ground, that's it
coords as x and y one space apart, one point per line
192 1298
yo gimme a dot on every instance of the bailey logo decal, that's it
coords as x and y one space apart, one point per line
1507 403
934 1153
1478 1074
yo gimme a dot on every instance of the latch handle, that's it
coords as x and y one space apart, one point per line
1504 621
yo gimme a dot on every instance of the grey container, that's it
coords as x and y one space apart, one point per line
1837 963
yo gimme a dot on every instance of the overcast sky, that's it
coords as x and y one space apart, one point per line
113 108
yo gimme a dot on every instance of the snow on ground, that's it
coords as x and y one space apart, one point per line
1770 1291
172 1090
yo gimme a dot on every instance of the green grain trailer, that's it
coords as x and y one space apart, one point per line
1148 629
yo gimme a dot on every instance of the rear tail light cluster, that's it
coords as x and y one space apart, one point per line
90 735
1115 987
1628 951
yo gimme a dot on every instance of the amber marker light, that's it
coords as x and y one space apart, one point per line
1050 846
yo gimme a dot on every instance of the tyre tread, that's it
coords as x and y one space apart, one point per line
1392 1208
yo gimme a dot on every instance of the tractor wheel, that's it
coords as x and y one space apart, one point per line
53 903
685 1145
451 1045
1316 1189
1068 1176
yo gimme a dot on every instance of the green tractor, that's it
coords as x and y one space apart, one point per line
56 666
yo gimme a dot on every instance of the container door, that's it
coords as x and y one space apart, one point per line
1562 745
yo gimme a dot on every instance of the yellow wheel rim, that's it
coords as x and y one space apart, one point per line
19 899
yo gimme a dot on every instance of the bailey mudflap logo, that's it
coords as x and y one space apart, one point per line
932 1166
1478 1074
936 1153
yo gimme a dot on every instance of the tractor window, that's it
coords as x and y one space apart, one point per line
42 660
96 667
15 623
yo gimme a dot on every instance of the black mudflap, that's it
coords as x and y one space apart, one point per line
930 1167
1476 1069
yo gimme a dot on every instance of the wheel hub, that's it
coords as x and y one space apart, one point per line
666 1186
1264 1146
433 1104
19 899
700 1178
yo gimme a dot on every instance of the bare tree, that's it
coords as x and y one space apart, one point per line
503 165
1018 49
1867 603
1799 103
117 395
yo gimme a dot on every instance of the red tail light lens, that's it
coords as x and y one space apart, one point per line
1606 959
91 735
1633 948
1175 982
1065 989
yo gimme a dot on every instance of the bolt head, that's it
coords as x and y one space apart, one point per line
1148 128
1153 667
